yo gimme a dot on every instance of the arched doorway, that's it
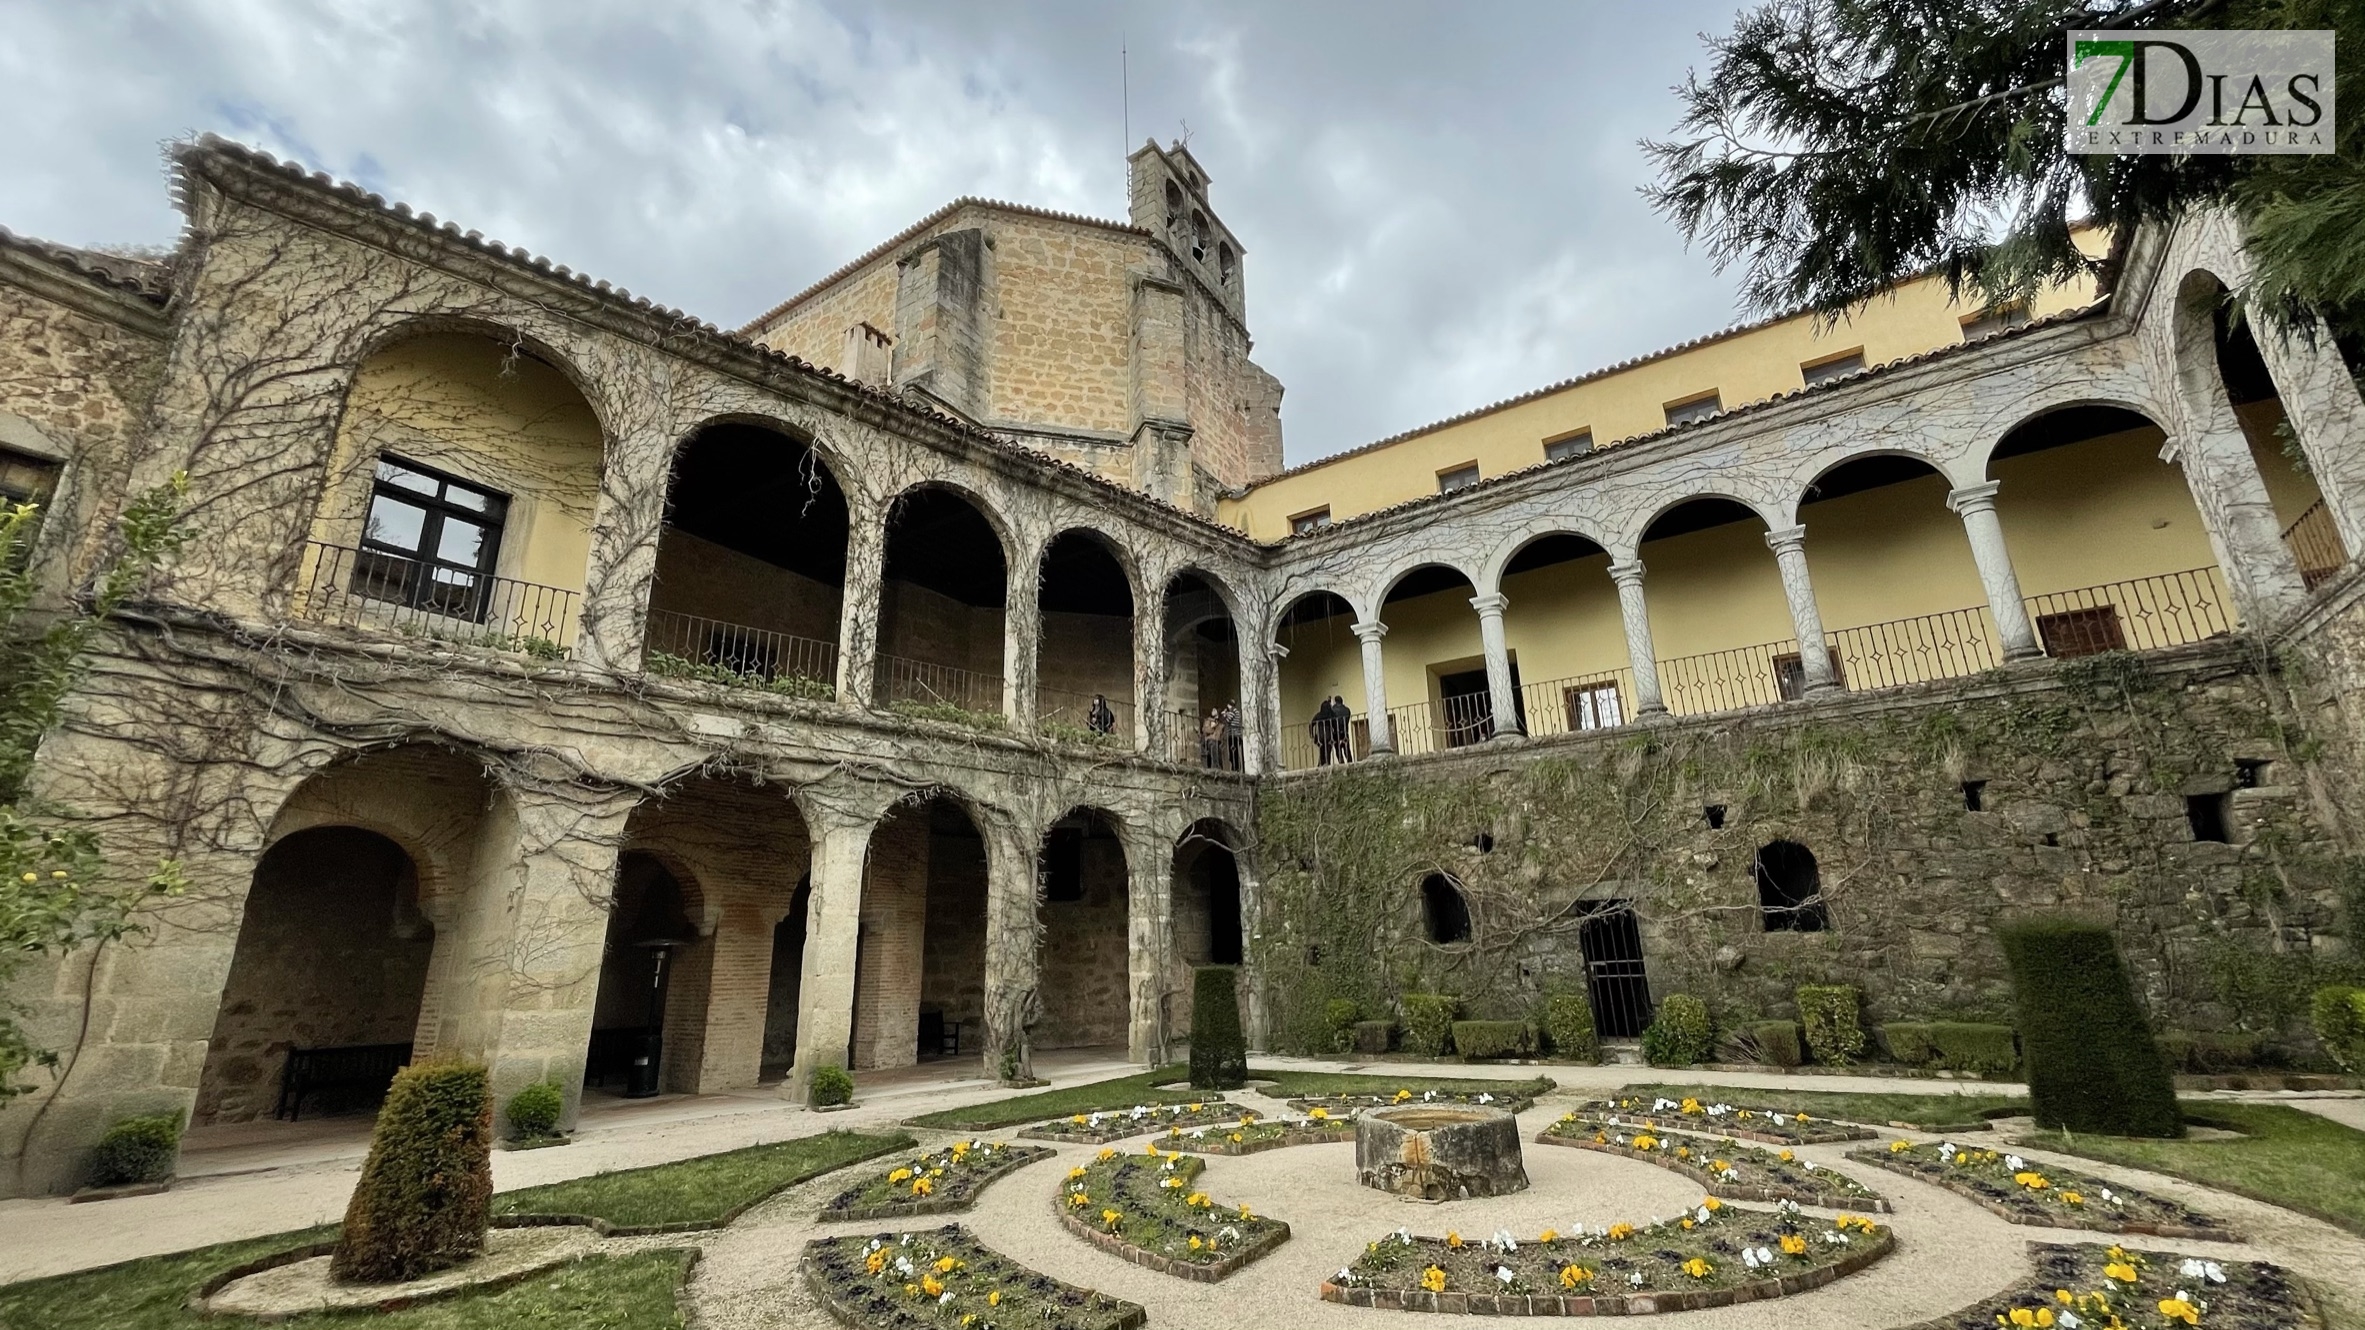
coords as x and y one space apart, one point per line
783 989
1445 910
1085 951
1084 666
649 928
1207 923
1324 665
332 954
941 630
919 978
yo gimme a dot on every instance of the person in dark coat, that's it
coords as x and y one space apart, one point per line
1100 720
1342 729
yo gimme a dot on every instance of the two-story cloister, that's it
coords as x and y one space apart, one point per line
555 679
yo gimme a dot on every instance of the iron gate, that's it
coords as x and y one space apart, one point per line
1614 979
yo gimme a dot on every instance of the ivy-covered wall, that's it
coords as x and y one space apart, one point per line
2087 772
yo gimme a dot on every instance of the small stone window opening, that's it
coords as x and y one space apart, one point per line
1790 889
1445 909
1974 796
25 478
1223 261
1174 205
2249 772
2206 815
1199 236
1715 815
1314 956
1483 842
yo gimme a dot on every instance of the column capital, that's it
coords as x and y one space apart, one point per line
1370 632
1787 539
1974 498
1489 605
1275 651
1628 573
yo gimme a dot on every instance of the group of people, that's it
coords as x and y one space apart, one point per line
1219 738
1333 731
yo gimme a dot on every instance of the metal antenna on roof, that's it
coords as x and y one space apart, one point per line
1125 88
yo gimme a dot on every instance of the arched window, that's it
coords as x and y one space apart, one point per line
1223 261
1445 909
1199 236
1174 205
1790 889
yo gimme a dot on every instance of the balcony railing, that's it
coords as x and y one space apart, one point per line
360 588
927 683
684 645
1902 651
1199 741
1586 702
1751 676
1060 710
2315 546
2144 614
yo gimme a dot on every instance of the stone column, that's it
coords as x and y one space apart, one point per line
1814 654
2328 418
1022 641
1254 1011
627 525
1375 687
2243 529
1641 657
739 985
1501 696
1149 934
833 938
1013 933
1265 747
1149 680
859 608
1975 504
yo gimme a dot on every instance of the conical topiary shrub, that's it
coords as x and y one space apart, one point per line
2092 1064
1219 1052
427 1190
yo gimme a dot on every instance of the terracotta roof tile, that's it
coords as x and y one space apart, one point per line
149 279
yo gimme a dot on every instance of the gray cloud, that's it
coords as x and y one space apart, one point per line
1438 202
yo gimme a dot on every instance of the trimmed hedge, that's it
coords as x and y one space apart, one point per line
831 1086
2209 1054
1831 1019
426 1190
1494 1039
1974 1046
1568 1024
1428 1022
1340 1016
1777 1042
1219 1051
1681 1034
1374 1036
1908 1042
2092 1063
137 1151
534 1111
2338 1013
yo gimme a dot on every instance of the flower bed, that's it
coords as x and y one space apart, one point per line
932 1184
2026 1193
1745 1124
1349 1104
1167 1119
2092 1287
1715 1256
1726 1168
1143 1208
1269 1134
945 1277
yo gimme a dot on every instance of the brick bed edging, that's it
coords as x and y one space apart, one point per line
1730 1191
2044 1219
1021 1156
1344 1131
1834 1133
1213 1272
2311 1308
198 1302
1607 1304
1132 1315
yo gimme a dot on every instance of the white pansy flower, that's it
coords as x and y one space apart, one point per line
1503 1272
2015 1163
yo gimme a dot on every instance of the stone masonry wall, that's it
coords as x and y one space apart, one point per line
1084 956
1061 333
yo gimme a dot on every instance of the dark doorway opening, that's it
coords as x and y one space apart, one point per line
1445 909
1611 942
1790 889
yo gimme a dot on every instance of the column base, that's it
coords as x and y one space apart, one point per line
2012 655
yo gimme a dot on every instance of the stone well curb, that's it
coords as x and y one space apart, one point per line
1619 1304
2044 1219
1129 1316
1213 1272
1021 1156
1729 1191
198 1302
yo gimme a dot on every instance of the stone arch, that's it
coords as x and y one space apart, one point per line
1773 518
1291 597
1806 492
1387 586
1322 666
384 336
944 600
425 797
1083 912
2023 412
927 905
1490 575
1087 626
1203 653
1789 889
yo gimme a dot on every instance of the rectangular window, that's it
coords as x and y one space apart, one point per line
1568 445
430 541
1694 408
1988 322
1593 706
2074 633
1457 478
1311 520
25 478
1790 674
1832 367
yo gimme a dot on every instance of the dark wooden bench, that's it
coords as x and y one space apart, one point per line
366 1069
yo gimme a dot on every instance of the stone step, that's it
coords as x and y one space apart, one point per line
1621 1053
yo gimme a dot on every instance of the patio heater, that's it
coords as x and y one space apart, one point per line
641 1076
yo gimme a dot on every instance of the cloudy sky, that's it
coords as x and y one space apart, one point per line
1438 201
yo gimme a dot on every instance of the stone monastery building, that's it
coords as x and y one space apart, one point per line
548 671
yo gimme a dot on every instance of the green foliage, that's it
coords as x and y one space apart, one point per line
666 665
1374 1036
1973 1046
2268 991
2212 1053
1219 1051
1831 1018
1428 1022
831 1086
1680 1034
1341 1014
137 1150
534 1111
1777 1043
1060 731
2338 1014
950 714
427 1187
1908 1043
1568 1026
1494 1039
2092 1063
54 892
1093 1097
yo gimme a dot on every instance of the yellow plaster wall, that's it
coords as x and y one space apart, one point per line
2103 510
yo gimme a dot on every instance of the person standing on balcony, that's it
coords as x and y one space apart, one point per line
1100 720
1318 730
1342 730
1234 760
1211 738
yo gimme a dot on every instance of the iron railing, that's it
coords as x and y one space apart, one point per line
360 588
1945 645
1060 709
902 679
1209 742
1726 680
2142 614
1584 702
684 644
2314 542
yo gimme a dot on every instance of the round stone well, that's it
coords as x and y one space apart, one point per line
1440 1152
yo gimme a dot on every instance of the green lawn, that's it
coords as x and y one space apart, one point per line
1097 1097
2287 1156
704 1191
1940 1110
1292 1084
599 1293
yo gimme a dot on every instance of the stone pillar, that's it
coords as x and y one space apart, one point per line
1266 727
859 607
739 983
1641 657
1501 696
1976 506
2328 418
1814 654
1149 679
833 937
1149 934
1013 932
1254 1012
1022 639
514 980
1375 687
2243 530
627 523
